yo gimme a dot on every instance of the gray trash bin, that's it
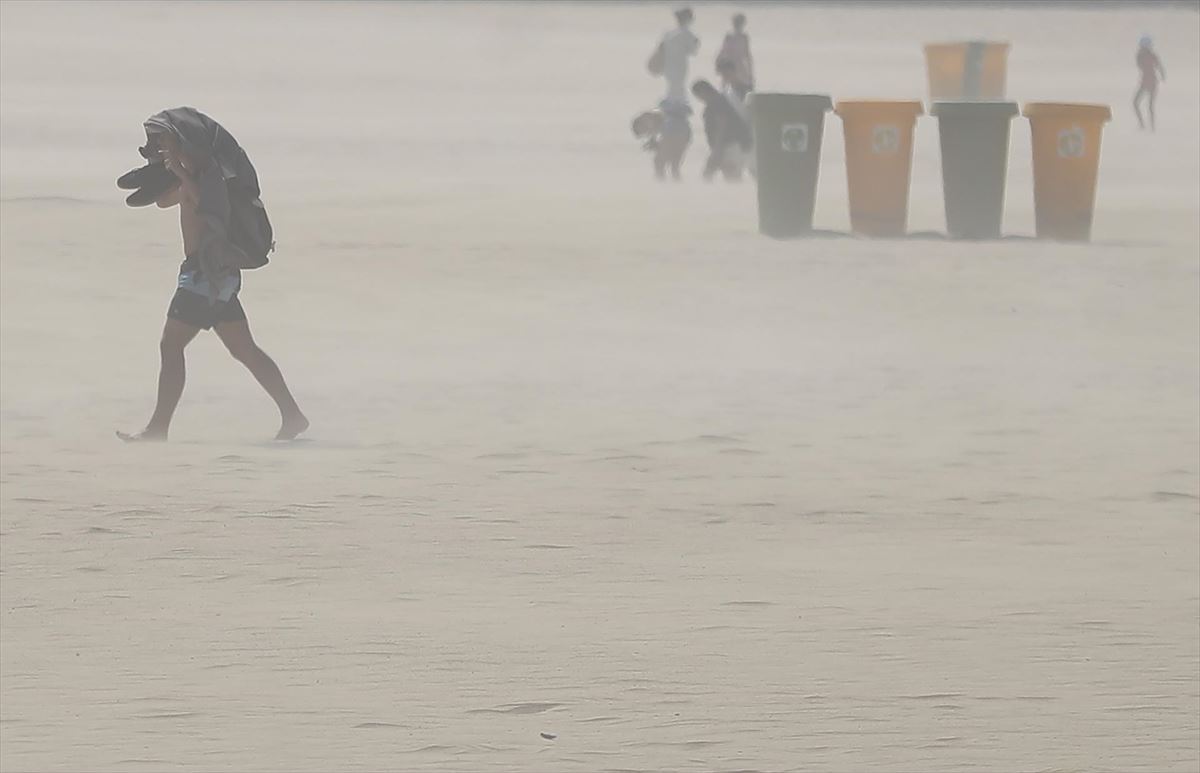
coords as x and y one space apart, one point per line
974 139
787 146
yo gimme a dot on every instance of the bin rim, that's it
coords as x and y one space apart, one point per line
995 108
1081 111
824 99
903 107
952 43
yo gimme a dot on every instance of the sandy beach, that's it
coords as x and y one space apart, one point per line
590 458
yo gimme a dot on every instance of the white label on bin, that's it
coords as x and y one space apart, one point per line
1071 143
794 137
885 139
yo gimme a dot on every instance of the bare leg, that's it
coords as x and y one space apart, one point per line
676 163
237 339
171 376
1153 97
660 165
712 164
1137 110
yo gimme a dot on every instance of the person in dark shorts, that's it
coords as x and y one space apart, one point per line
192 308
198 305
736 50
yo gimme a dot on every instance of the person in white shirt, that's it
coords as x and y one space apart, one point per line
676 48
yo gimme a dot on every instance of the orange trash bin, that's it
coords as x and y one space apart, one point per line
1066 162
879 146
973 70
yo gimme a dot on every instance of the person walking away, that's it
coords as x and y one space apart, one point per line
671 57
736 48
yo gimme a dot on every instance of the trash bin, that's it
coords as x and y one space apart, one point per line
879 163
970 70
787 147
1066 161
974 140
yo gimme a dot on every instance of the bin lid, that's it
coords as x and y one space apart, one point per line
1078 111
977 110
820 102
881 107
964 43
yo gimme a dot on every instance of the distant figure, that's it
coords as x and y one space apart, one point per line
1151 69
666 132
730 83
736 49
670 58
728 134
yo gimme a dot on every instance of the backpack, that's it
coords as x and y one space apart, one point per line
657 62
249 228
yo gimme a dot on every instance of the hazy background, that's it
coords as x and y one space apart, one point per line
589 456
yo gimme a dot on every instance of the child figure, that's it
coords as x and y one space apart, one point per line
666 132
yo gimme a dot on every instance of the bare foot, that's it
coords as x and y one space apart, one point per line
146 435
292 427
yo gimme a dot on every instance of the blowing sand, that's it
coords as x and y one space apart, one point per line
590 457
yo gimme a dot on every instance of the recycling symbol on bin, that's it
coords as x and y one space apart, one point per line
794 137
885 139
1070 143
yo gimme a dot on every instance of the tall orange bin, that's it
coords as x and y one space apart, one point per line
1066 162
972 70
879 147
